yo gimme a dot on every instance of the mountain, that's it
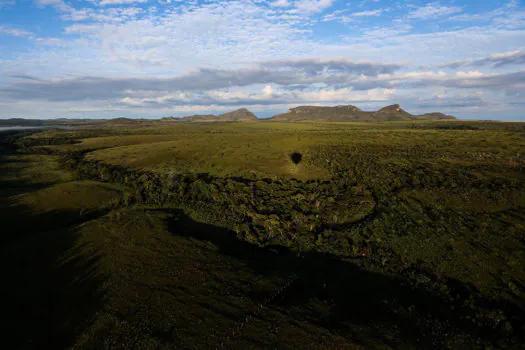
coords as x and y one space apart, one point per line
123 121
392 112
435 116
345 113
239 115
198 118
337 113
352 113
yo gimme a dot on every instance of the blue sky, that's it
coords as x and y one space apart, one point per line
154 58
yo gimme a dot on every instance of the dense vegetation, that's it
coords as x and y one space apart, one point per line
433 210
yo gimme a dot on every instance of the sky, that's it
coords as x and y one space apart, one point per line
157 58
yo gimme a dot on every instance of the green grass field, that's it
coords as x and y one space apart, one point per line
385 235
262 149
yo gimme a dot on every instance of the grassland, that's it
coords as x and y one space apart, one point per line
262 149
385 235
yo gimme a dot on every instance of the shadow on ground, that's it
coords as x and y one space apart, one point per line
46 304
363 305
46 301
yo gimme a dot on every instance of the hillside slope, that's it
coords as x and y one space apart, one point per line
239 115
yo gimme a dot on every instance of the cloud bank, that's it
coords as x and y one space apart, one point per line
156 58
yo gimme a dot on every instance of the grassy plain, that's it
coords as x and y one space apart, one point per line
263 149
396 235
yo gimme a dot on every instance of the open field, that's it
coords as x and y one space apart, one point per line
262 150
385 235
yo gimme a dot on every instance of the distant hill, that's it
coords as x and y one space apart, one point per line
352 113
124 121
239 115
345 113
64 122
196 118
22 122
337 113
436 116
392 112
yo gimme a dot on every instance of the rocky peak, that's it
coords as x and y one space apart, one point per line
391 108
241 114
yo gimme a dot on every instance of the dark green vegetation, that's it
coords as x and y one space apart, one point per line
384 235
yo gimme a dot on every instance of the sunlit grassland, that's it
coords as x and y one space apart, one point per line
74 195
36 193
31 169
263 149
53 188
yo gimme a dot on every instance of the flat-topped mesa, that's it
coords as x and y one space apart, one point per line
348 113
239 115
321 113
315 109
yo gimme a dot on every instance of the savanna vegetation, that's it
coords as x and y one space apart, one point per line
265 235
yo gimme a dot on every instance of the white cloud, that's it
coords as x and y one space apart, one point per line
266 96
58 4
339 15
6 3
313 6
285 73
433 10
264 54
510 9
345 95
14 32
52 42
118 2
219 31
370 13
381 33
469 74
422 75
280 3
495 60
301 81
201 35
